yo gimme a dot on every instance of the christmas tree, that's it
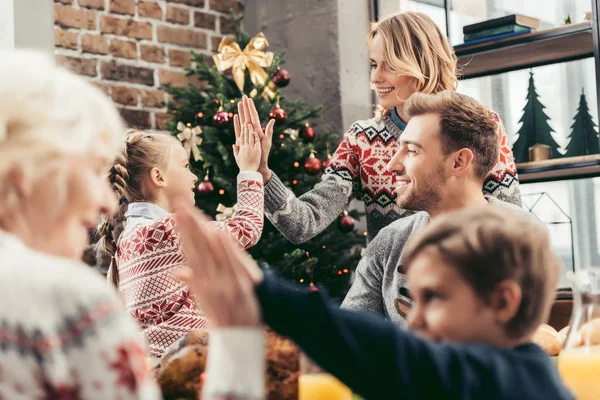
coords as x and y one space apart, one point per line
202 120
535 128
584 137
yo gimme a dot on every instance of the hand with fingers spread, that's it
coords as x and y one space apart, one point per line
221 276
247 114
246 150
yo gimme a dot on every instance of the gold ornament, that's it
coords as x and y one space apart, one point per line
269 92
225 212
253 58
190 139
293 133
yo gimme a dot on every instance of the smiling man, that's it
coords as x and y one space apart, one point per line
446 151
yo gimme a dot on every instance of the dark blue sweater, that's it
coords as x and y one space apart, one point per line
377 360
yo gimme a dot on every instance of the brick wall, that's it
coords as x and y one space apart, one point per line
129 48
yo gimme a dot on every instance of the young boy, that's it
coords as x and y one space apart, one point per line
482 280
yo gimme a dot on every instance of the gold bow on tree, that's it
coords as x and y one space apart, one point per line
225 212
253 58
269 92
190 139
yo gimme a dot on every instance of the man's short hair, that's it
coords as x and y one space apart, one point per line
464 123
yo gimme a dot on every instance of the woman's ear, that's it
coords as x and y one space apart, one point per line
157 178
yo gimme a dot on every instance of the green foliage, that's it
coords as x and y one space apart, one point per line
325 257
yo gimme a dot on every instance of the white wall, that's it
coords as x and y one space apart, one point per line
7 24
353 27
27 24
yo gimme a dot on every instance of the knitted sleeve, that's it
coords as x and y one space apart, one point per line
93 351
502 181
301 218
235 369
119 363
247 224
365 294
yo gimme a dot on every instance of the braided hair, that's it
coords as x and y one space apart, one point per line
141 152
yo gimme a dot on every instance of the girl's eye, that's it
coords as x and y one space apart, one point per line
373 65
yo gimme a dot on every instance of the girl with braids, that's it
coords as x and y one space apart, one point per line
64 332
151 177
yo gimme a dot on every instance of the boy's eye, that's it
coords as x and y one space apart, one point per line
430 295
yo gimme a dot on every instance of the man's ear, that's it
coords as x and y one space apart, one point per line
506 300
157 178
463 160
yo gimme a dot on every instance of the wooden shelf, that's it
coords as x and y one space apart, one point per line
566 43
560 169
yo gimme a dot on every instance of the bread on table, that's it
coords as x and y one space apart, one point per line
590 332
564 332
548 339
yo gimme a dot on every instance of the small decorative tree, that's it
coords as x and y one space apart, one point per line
584 136
534 127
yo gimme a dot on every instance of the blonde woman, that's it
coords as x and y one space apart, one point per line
408 54
63 330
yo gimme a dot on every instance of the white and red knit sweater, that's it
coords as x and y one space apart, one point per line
358 170
149 252
64 334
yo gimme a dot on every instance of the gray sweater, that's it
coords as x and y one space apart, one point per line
379 286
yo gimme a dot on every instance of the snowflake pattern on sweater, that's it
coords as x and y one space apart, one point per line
64 334
150 253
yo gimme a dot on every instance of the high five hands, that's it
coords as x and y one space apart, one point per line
248 117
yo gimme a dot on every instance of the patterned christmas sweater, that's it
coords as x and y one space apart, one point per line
64 334
358 170
149 252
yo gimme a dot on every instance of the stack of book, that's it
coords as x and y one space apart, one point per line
499 28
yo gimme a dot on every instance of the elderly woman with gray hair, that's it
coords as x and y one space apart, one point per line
63 331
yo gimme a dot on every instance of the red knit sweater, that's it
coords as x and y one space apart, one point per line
150 253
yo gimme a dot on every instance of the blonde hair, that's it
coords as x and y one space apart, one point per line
415 47
47 114
464 123
140 153
490 244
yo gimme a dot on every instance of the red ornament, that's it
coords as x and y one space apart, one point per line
281 78
326 163
312 287
278 114
221 118
346 223
308 133
206 187
312 165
